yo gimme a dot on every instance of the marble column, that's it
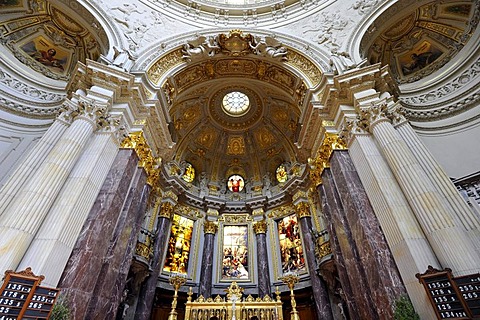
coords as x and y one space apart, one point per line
206 274
107 295
348 295
24 216
260 229
405 237
381 273
147 291
82 271
319 288
444 186
449 240
33 160
355 271
50 249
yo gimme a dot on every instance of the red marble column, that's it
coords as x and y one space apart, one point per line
113 275
264 288
319 288
206 274
81 274
342 270
147 290
355 270
382 275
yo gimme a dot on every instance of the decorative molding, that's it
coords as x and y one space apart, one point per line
235 218
166 210
303 210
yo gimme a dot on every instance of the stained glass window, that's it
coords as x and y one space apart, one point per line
235 253
291 250
281 173
235 183
189 174
179 245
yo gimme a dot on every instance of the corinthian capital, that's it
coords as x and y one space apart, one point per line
351 128
93 111
375 114
397 115
67 111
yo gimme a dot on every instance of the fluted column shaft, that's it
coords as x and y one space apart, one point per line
320 291
449 241
206 274
456 204
147 291
49 251
260 229
24 216
31 162
406 240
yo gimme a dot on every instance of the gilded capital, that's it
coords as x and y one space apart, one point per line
137 141
166 210
260 227
210 227
321 161
303 210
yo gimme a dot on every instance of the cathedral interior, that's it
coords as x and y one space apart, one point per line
242 159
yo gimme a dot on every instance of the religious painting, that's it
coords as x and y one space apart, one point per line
235 253
418 58
291 250
179 244
235 183
47 54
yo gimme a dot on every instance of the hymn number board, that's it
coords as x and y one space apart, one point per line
444 294
469 287
21 297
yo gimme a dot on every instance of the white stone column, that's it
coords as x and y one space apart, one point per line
404 235
50 249
448 239
455 203
33 160
23 217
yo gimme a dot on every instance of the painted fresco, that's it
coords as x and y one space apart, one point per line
422 56
47 54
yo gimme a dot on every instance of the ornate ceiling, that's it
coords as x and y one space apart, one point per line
416 42
220 144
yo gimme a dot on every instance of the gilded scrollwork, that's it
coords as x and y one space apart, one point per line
210 227
330 143
303 210
260 227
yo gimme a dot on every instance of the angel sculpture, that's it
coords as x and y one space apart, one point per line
270 48
202 47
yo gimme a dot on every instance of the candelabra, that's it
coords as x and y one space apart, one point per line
176 281
290 279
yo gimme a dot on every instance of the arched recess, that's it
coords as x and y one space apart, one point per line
190 80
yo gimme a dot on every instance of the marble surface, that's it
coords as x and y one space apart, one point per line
206 274
147 291
262 265
320 292
355 272
381 272
113 275
82 271
342 271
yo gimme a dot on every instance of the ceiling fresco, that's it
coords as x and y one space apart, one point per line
417 43
47 39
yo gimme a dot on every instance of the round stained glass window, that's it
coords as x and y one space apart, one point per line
235 103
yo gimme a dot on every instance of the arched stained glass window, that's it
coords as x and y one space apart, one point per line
179 245
235 183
